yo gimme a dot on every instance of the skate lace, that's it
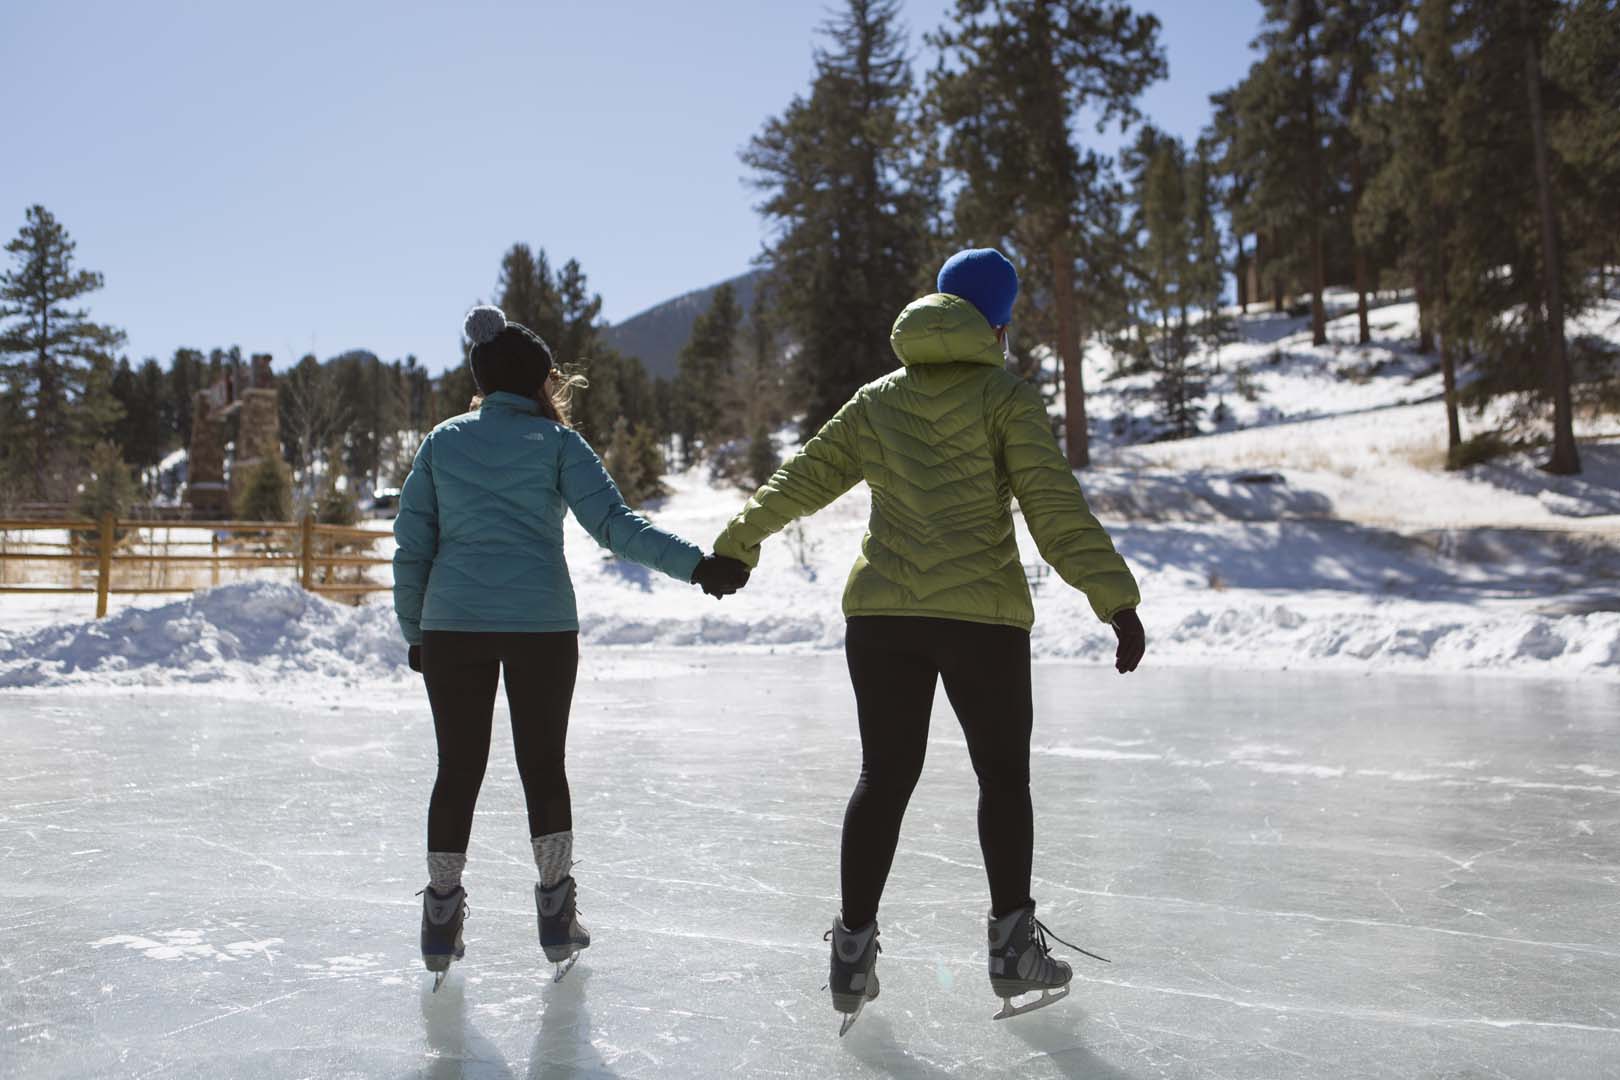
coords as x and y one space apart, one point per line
1038 932
466 909
828 937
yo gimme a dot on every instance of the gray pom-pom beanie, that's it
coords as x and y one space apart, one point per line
483 323
506 356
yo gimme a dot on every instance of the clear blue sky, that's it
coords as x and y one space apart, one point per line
295 177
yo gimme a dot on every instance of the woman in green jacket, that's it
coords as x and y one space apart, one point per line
945 443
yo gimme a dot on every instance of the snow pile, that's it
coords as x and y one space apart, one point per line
252 633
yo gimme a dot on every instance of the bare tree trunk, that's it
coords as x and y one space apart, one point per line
1359 254
1361 295
1448 371
1425 316
1076 435
1318 252
1565 458
1242 269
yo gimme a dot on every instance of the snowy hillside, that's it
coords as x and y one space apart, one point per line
1317 530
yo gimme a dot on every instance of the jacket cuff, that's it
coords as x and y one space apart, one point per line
684 563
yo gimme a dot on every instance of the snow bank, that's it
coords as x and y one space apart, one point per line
262 636
253 634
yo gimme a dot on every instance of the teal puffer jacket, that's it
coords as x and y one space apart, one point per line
480 525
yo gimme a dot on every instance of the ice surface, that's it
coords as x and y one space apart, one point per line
1295 874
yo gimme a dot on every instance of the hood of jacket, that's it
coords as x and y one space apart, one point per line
944 329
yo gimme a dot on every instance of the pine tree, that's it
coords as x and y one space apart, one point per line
762 457
705 372
1353 33
1534 24
53 357
1011 89
267 495
1178 267
186 377
850 196
141 428
1409 202
526 292
108 488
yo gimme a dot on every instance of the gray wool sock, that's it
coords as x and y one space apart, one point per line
553 856
444 869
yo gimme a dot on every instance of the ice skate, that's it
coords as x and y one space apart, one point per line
1021 962
853 980
561 935
442 917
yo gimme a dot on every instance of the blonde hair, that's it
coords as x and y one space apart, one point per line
555 397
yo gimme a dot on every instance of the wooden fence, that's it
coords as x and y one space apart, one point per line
118 553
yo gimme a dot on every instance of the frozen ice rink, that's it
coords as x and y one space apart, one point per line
1296 875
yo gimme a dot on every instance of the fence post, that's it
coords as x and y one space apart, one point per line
109 525
307 556
213 543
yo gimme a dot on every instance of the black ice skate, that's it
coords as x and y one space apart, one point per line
1021 962
853 980
442 917
561 935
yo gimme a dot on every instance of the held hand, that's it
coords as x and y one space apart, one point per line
720 575
414 658
1132 641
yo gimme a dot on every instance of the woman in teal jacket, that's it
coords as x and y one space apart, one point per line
481 586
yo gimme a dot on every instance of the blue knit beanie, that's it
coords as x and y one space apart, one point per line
984 277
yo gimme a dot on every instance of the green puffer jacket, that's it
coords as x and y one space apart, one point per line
945 443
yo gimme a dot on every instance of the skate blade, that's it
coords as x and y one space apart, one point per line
1048 997
438 979
564 967
850 1018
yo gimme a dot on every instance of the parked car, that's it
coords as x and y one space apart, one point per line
384 503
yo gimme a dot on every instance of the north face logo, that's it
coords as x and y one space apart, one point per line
536 436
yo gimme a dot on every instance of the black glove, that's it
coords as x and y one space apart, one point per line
720 575
1132 641
414 658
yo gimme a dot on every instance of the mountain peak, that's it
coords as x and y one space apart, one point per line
657 335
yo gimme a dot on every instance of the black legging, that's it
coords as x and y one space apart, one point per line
894 663
461 671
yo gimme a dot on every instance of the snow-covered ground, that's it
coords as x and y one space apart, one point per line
1296 874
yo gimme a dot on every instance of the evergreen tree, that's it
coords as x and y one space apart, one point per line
705 371
526 292
108 487
187 375
53 358
1409 203
142 429
1583 59
850 196
762 457
1279 144
1178 267
1011 89
1353 35
267 495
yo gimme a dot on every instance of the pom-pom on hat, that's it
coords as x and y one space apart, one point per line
985 278
505 355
